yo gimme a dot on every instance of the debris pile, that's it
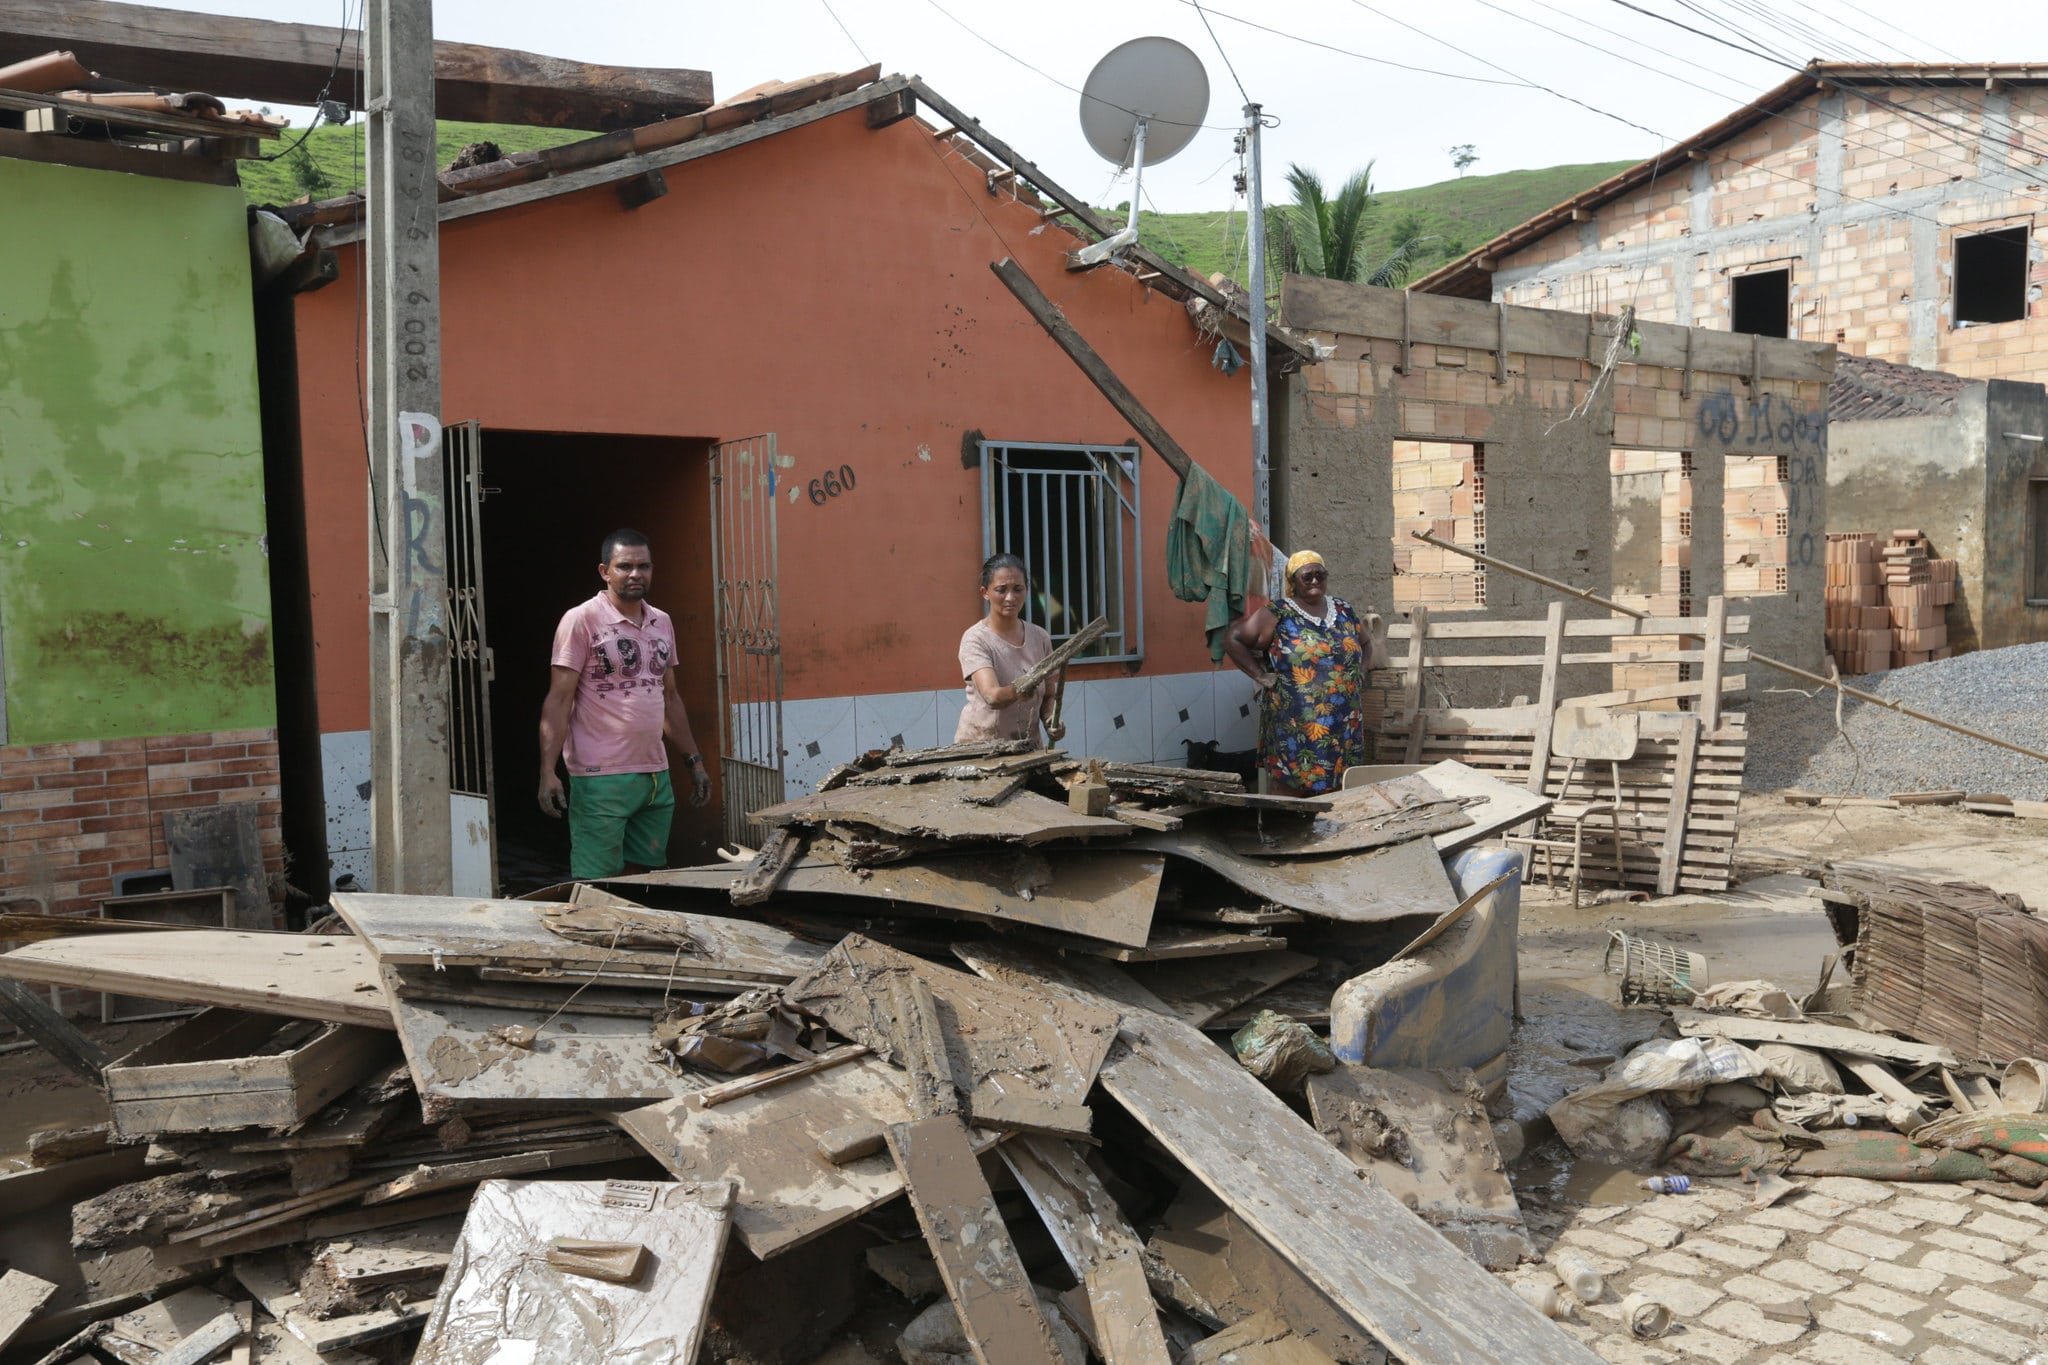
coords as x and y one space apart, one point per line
1923 1066
1079 1057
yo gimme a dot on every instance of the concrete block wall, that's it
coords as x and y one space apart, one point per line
1859 194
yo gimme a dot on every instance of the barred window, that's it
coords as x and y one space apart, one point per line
1071 513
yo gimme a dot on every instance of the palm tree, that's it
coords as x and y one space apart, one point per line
1320 235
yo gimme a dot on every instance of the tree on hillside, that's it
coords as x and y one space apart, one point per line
1321 235
1462 156
306 175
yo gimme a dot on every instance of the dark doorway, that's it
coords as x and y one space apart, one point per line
549 501
1991 276
1761 304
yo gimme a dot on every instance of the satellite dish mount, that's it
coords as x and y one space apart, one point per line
1146 96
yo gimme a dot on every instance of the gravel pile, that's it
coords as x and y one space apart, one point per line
2003 692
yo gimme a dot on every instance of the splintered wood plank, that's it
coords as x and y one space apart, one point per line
267 1281
149 1331
1828 1037
984 1278
502 1301
1385 1268
463 1059
1106 894
946 810
449 931
769 1145
450 1175
1020 1064
1360 888
22 1296
1359 818
1262 1339
307 976
1099 1247
1424 1137
1201 990
1181 942
1494 805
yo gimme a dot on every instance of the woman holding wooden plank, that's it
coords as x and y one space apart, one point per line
999 651
1308 653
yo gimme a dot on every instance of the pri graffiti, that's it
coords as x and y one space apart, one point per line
1768 424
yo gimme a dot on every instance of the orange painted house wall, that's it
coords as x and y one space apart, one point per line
831 285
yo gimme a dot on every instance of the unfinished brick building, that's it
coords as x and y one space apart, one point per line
1888 209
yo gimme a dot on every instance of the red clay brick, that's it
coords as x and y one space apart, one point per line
53 781
108 824
11 783
97 886
160 787
249 765
103 762
77 810
229 782
36 767
186 801
216 751
192 768
123 791
267 749
166 755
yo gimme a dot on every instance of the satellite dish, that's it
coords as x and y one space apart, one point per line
1144 101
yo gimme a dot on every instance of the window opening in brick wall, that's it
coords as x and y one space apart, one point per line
1439 487
1755 521
1761 304
1991 276
1071 512
1651 505
2037 542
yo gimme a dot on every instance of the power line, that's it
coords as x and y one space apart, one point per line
340 41
865 60
1361 56
1220 52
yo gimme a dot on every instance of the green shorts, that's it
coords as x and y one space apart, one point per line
617 818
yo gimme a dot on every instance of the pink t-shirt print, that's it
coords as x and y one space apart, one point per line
615 726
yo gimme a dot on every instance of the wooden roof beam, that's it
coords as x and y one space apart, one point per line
277 63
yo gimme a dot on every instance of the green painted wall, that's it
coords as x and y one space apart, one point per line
134 593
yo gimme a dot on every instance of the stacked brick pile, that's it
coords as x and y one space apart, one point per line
1917 591
1887 603
1858 624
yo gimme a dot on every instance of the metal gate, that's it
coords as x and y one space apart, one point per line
748 631
472 802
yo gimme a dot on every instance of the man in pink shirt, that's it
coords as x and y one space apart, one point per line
612 696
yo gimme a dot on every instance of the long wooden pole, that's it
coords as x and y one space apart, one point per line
1532 576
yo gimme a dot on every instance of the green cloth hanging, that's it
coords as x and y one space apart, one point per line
1209 553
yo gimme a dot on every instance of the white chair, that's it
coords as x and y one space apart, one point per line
1585 735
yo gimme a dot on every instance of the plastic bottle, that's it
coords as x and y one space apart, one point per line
1849 1119
1578 1275
1541 1297
1668 1184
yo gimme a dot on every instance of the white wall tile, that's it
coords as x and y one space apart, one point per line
1183 708
345 781
1237 713
818 734
1119 719
887 719
946 708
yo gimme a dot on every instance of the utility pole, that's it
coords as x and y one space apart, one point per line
409 811
1255 235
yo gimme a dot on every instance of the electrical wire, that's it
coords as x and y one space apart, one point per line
847 31
1347 52
1219 50
334 69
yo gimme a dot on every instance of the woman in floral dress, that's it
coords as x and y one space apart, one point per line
1309 653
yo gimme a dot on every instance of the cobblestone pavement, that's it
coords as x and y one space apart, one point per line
1842 1272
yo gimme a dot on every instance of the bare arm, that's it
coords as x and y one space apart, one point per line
983 681
554 733
677 718
1248 639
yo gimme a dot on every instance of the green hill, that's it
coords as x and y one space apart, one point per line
337 155
1457 215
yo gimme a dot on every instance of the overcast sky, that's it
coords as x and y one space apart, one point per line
1335 110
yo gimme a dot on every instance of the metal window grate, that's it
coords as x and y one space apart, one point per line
1071 513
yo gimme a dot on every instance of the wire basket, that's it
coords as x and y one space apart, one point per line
1653 973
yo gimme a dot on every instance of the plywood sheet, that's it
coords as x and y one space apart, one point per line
1018 1063
1386 1269
1359 818
768 1145
1828 1037
450 931
1201 990
462 1060
1495 806
1102 894
501 1301
306 976
946 810
22 1296
1424 1137
1360 888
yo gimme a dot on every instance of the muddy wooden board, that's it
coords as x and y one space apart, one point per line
947 810
1099 1247
1359 818
1263 1339
22 1296
768 1144
1200 990
501 1301
448 931
1361 888
1178 942
462 1059
308 976
1019 1064
1385 1268
998 1308
1828 1037
1424 1137
1305 1000
1493 805
265 1278
1105 894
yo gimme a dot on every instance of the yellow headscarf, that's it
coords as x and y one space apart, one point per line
1302 559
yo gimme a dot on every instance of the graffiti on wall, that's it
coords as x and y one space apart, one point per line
1770 424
